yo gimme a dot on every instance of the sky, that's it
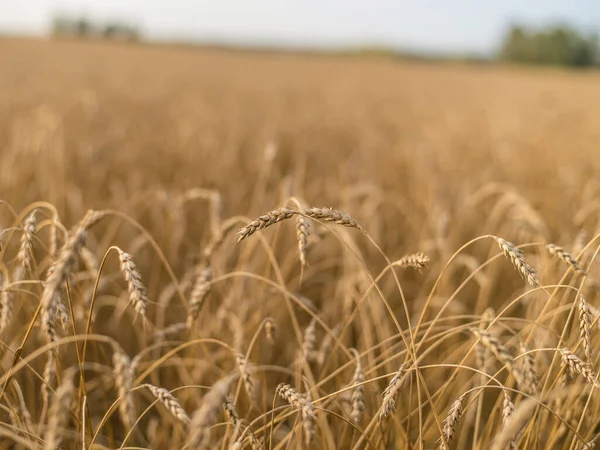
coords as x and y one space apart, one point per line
449 26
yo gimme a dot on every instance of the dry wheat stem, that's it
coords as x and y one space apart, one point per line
591 444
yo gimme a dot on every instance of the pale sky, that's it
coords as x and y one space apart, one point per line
431 25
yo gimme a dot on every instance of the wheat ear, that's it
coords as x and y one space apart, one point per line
582 368
518 260
201 290
451 421
585 332
492 343
302 404
566 257
124 382
25 253
333 215
391 391
170 402
417 261
264 221
137 291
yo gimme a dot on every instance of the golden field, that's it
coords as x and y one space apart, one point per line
131 318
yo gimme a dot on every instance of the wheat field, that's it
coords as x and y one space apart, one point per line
210 249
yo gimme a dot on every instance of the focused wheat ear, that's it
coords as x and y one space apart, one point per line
303 405
200 291
25 254
137 291
333 215
518 260
170 402
577 365
417 261
264 221
302 232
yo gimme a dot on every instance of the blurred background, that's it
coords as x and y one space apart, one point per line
563 33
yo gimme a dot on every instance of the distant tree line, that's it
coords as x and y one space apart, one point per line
559 45
85 28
